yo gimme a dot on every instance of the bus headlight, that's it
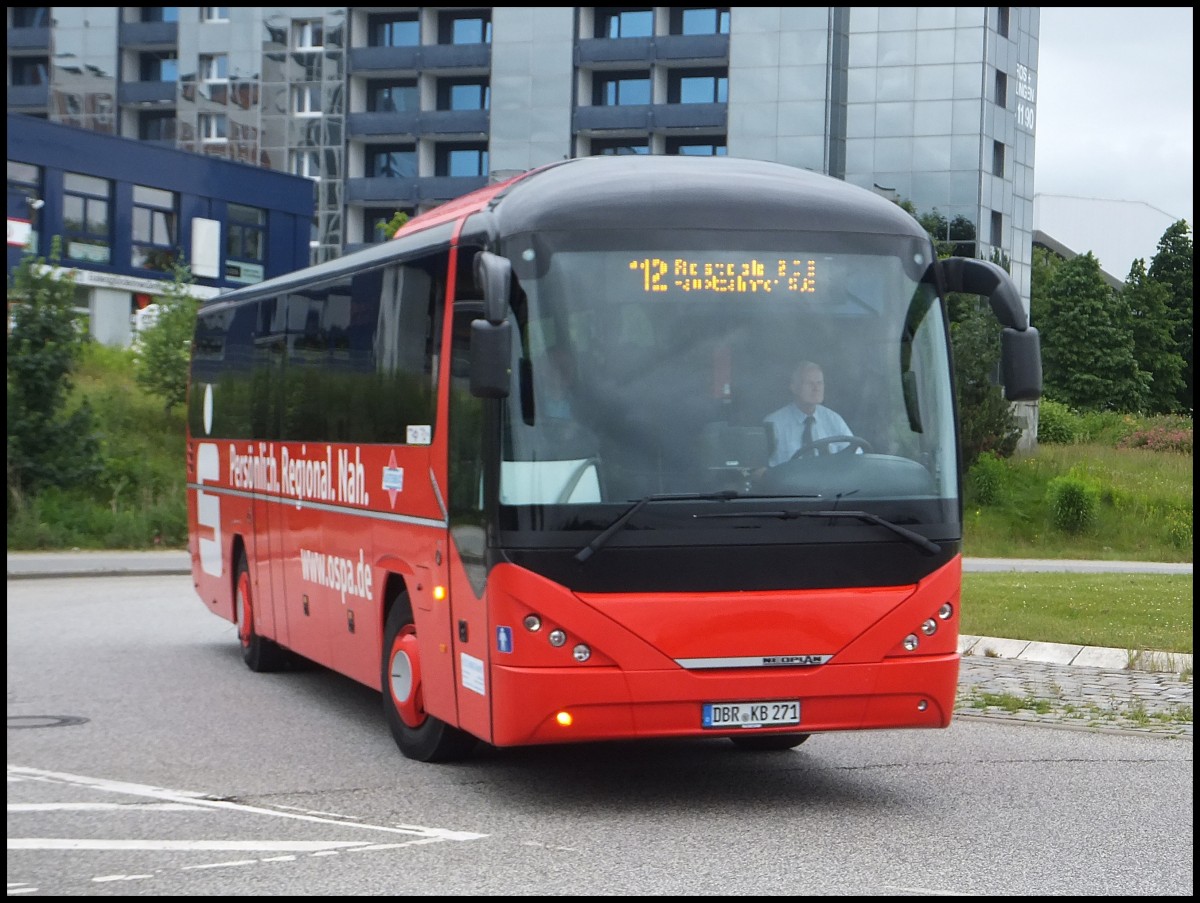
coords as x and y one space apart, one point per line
945 611
557 637
929 628
532 623
581 652
911 642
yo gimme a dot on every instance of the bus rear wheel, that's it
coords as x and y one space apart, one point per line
419 735
259 653
769 742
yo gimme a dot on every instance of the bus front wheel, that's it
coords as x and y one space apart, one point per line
419 735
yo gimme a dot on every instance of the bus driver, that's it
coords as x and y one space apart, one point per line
805 420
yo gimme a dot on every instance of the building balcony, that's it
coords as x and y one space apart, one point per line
648 118
149 35
466 59
382 192
28 39
137 93
23 98
706 49
465 123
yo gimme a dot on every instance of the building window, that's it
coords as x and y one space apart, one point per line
158 126
624 23
245 243
620 89
997 229
214 67
694 146
30 16
464 94
24 181
154 237
1001 89
697 86
160 14
306 163
86 207
306 100
462 160
392 161
1002 21
393 96
212 127
158 66
619 147
998 158
465 27
30 70
308 34
700 20
393 30
214 14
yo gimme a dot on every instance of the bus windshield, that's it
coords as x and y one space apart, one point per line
690 363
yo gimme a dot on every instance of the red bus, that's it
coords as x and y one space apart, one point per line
517 468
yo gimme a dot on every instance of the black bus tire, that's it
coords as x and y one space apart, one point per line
259 654
419 735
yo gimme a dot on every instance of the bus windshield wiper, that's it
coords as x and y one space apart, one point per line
915 538
586 552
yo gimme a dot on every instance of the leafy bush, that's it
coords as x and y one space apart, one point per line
1074 502
163 351
1160 438
987 477
1057 423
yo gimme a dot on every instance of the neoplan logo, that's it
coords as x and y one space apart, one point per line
794 660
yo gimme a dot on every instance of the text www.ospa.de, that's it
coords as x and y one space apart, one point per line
344 575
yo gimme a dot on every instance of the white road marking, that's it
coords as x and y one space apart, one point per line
18 773
103 807
267 846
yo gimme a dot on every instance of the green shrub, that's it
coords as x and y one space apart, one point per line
987 477
1057 423
1074 503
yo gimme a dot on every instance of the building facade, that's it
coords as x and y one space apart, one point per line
392 109
124 213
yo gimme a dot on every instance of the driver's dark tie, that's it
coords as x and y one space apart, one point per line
806 438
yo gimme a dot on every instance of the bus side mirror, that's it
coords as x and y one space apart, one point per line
1021 364
493 274
491 353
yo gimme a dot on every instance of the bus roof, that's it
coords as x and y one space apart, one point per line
675 192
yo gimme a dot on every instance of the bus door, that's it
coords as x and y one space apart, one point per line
467 572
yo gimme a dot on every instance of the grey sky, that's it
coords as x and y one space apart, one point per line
1114 105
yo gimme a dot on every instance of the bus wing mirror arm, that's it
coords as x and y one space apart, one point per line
982 277
493 274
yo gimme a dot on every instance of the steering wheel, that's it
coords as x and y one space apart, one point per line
852 443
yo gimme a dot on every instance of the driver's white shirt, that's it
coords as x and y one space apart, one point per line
788 426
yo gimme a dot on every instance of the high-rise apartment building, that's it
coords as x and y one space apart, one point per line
393 109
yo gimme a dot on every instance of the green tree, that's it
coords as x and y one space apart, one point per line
1172 267
392 226
1146 305
163 350
47 444
1087 346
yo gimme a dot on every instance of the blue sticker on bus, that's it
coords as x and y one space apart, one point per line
504 639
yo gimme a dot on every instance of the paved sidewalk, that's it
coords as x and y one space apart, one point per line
1087 686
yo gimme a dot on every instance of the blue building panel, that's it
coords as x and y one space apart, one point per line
204 187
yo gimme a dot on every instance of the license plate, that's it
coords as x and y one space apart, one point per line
751 714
